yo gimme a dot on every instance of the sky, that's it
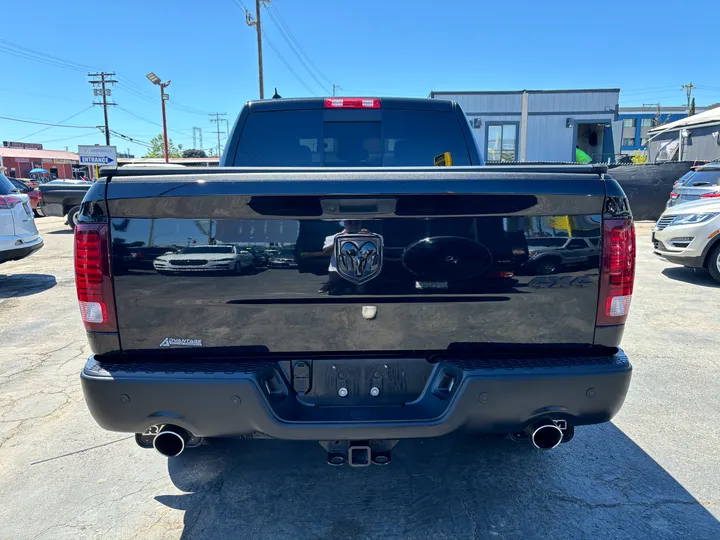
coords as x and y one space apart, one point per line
369 47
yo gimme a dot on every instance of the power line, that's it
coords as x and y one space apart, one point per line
47 59
297 43
285 34
128 138
143 94
43 58
68 138
647 98
645 90
47 123
56 124
151 122
287 64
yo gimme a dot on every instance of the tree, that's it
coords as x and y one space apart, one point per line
193 153
157 148
692 107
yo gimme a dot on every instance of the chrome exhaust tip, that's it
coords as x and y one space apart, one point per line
171 441
545 434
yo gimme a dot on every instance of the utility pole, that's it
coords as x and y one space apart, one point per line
104 92
336 87
217 121
250 21
689 87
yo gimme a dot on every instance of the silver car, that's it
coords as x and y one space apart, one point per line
699 184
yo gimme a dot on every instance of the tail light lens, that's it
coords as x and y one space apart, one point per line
93 278
352 103
617 273
709 195
9 201
39 195
673 195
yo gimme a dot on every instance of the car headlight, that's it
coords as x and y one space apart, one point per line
690 219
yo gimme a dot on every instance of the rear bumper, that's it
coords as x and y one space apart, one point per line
685 260
255 398
21 252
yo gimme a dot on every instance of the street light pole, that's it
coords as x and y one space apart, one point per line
163 98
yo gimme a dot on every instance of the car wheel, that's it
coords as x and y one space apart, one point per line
713 263
547 266
72 216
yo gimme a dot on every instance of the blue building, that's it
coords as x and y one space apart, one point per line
636 121
542 125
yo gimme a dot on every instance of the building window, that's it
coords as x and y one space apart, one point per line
501 144
628 141
629 122
648 122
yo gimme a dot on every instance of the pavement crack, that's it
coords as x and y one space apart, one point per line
469 515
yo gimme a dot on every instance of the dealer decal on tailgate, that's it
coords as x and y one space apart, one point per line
169 342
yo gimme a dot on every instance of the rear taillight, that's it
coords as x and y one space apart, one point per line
617 272
709 195
352 103
10 201
673 195
93 278
39 195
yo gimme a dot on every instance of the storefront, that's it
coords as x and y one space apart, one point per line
20 161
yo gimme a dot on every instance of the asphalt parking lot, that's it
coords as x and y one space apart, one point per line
654 472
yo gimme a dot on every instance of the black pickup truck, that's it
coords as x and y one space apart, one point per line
62 198
408 307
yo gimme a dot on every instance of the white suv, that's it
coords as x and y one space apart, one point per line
210 258
689 234
18 234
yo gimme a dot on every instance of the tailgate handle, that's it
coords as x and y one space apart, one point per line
358 206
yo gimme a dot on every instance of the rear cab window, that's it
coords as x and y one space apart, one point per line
350 138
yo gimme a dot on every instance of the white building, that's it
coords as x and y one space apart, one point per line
543 125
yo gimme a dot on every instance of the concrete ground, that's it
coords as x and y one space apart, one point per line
654 472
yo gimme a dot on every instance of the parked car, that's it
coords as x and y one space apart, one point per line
549 255
260 257
416 346
282 259
210 258
32 193
689 234
62 198
19 236
702 182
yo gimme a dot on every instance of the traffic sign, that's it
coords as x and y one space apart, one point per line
97 155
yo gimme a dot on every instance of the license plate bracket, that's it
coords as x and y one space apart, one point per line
367 381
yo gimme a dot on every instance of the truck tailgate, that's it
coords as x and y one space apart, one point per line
354 261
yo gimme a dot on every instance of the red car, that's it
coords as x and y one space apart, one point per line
32 192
